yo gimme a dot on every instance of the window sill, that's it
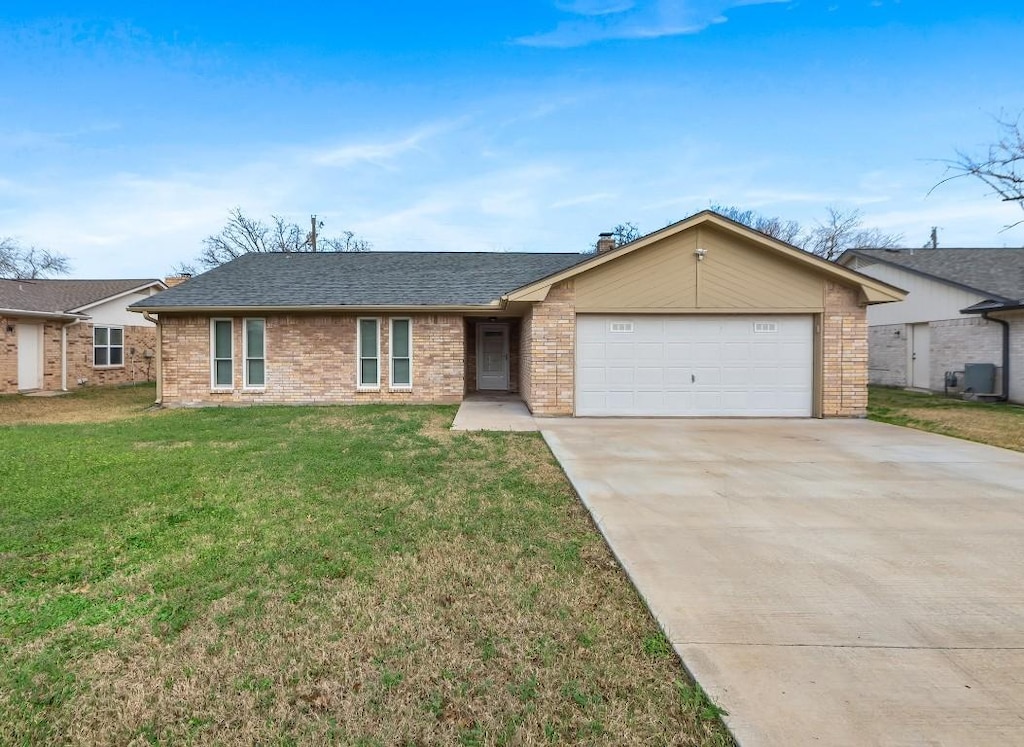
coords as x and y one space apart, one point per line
368 388
254 389
222 390
400 388
107 368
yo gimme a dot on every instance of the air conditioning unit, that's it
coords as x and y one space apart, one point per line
979 379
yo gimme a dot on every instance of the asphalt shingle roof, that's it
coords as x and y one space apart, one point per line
298 279
995 272
61 296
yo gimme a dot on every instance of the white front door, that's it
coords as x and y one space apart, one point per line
30 356
492 357
920 359
738 366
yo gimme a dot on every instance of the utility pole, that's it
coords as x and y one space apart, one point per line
312 232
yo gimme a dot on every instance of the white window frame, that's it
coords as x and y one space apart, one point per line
245 353
359 354
213 354
391 353
108 346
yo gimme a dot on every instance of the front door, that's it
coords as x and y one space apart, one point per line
30 356
492 357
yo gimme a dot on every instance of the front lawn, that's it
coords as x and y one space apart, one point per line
990 423
312 575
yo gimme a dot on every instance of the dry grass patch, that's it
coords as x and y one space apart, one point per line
995 424
372 579
91 405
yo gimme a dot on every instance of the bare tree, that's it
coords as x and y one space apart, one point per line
21 263
778 228
1002 168
842 230
623 233
244 235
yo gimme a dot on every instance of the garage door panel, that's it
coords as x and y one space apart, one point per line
694 366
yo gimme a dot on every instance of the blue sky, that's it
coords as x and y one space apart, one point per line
130 129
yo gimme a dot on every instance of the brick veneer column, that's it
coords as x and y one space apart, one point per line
548 344
845 353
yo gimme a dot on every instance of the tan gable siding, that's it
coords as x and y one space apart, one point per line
735 274
660 278
666 277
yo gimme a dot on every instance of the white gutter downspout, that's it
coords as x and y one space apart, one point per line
159 355
64 354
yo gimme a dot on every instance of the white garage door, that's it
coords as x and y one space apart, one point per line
741 366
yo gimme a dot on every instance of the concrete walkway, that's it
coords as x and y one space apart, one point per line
493 412
827 582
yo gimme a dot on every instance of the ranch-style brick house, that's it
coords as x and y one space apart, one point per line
705 317
57 335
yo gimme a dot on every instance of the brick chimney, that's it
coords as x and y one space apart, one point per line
605 242
176 279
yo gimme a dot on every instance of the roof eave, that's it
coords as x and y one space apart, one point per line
115 296
490 306
930 276
68 316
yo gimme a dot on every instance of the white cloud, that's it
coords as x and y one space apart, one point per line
381 153
602 21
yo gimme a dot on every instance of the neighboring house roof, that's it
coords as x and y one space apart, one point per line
64 298
872 289
997 274
360 279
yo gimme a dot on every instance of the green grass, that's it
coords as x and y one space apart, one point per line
997 424
312 575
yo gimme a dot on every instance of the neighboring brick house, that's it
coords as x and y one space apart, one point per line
704 317
964 306
62 334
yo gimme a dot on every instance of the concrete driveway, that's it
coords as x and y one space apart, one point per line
827 582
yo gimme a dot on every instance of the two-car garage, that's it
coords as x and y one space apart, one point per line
694 365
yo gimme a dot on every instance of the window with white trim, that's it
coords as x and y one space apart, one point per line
107 346
368 349
255 353
401 353
222 353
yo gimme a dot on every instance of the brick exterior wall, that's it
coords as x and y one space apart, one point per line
311 359
887 355
844 337
954 342
8 355
548 353
81 371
